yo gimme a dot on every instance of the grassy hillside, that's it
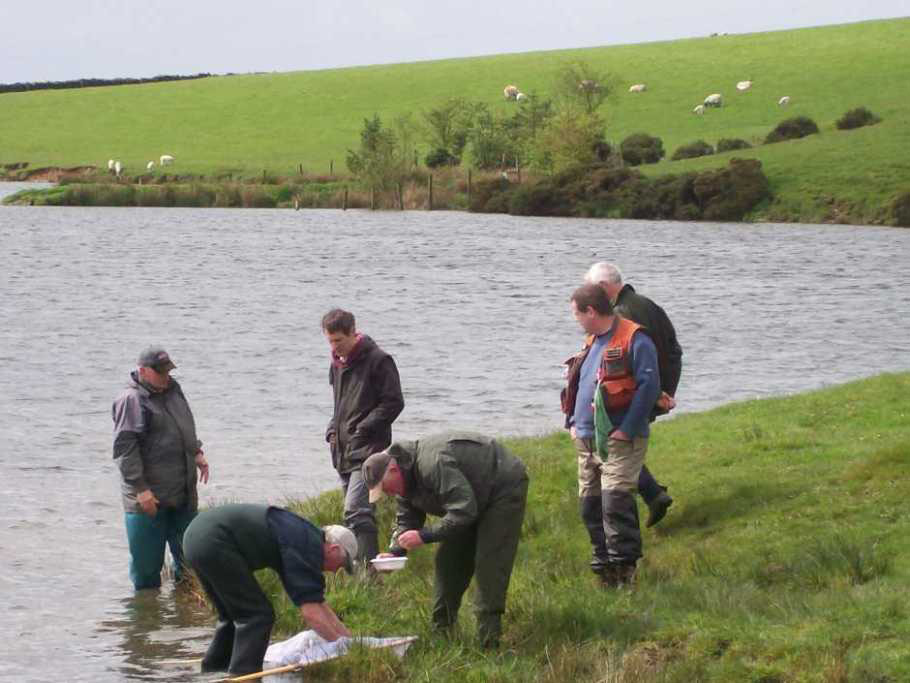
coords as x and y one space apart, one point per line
277 121
785 558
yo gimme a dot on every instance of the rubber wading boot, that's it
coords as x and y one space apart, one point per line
251 640
489 629
218 655
592 516
618 576
657 508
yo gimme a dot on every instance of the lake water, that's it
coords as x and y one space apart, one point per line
473 308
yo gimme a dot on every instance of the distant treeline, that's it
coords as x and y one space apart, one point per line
92 83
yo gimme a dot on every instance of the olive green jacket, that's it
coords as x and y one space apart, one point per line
453 476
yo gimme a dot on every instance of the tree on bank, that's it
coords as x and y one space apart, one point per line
580 84
386 156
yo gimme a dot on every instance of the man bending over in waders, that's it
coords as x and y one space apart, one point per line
226 544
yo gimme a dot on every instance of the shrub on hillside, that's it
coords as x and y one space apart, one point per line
900 210
490 196
792 129
641 148
699 148
441 157
728 194
730 144
857 118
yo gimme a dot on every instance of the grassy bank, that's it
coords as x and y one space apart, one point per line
244 124
785 558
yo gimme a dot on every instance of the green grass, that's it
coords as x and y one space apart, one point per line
785 558
277 121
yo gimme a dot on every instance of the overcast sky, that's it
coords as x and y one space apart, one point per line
66 39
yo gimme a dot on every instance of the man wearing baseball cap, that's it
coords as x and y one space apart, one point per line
478 489
226 544
158 453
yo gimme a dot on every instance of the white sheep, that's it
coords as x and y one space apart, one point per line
700 109
510 92
149 166
784 101
744 85
714 100
110 164
521 97
638 87
118 167
166 160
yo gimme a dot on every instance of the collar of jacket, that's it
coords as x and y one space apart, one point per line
361 346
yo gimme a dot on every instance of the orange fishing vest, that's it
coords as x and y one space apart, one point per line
616 376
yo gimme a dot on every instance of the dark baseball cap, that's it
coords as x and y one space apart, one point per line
157 358
374 469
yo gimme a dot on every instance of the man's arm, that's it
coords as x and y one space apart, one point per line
390 402
457 498
322 619
647 390
128 426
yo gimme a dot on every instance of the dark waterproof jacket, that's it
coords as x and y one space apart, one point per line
454 476
368 398
640 309
155 445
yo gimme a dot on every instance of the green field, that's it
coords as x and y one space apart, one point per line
276 121
785 558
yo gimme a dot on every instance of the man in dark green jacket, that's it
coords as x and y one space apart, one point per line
478 490
367 399
158 454
642 310
226 545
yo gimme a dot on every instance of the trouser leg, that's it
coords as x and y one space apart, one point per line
177 521
238 598
648 487
619 482
218 655
498 533
147 537
589 499
360 515
454 568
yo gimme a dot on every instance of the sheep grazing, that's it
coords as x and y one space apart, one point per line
521 97
149 166
118 168
744 85
784 101
510 92
700 109
638 87
110 164
166 160
714 100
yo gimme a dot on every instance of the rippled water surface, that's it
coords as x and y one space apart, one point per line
474 309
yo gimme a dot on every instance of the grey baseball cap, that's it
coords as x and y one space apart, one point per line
155 357
341 535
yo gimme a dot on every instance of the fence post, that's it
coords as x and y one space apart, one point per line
263 176
400 199
331 167
300 169
430 192
344 206
518 170
469 188
372 199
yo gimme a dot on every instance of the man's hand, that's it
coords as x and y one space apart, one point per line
666 402
148 502
410 539
382 556
573 433
619 435
203 466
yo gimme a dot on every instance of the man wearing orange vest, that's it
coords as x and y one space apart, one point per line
618 367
